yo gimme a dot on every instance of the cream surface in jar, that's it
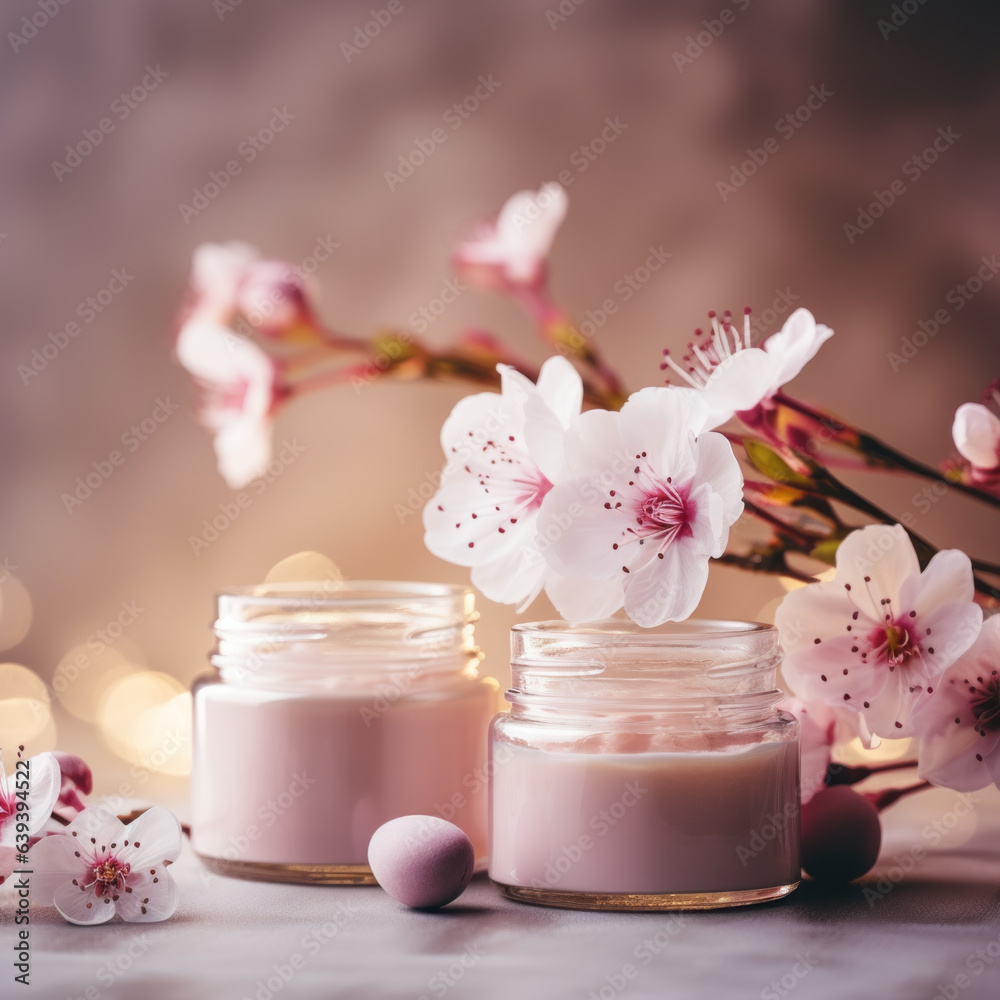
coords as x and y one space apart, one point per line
334 708
644 769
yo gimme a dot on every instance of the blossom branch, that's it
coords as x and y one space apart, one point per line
877 453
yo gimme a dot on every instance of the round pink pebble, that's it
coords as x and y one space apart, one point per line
423 861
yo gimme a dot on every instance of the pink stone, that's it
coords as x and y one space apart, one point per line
421 861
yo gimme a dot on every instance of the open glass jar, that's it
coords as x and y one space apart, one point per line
644 769
333 708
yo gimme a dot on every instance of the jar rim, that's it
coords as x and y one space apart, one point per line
340 593
622 631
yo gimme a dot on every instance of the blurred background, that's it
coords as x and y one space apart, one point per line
842 97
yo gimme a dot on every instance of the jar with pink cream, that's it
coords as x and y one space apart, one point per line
644 769
333 708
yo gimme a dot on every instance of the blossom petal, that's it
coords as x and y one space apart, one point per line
561 389
149 900
581 600
739 383
243 451
216 270
82 906
579 533
663 423
153 838
594 448
976 431
667 589
955 749
548 412
954 627
947 577
795 345
515 576
54 860
718 466
875 561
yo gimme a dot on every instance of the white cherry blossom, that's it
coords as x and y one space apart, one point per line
40 791
647 504
512 250
239 383
959 724
877 638
503 453
976 430
732 376
99 867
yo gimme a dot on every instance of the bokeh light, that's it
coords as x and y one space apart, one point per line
84 676
304 567
145 718
25 713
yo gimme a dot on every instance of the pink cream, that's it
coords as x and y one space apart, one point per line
651 823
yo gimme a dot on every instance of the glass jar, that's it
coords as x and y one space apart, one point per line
333 708
644 768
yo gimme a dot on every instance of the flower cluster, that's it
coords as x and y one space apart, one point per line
598 508
895 652
82 855
559 480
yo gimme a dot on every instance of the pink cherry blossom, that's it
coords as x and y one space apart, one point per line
76 779
503 453
734 377
240 395
40 797
976 430
230 279
647 505
99 867
217 271
959 724
877 638
512 250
